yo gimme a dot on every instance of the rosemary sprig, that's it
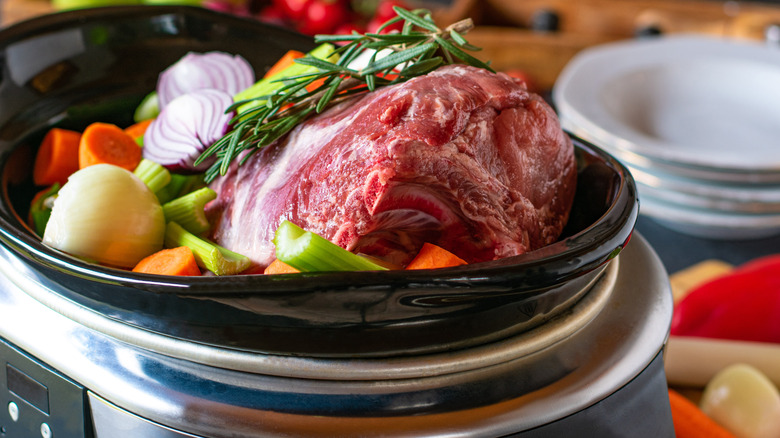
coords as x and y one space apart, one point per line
418 49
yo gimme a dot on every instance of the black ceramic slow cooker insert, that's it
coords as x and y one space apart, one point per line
555 342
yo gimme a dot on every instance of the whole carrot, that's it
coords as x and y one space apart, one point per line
107 143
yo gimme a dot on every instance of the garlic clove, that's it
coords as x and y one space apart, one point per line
744 401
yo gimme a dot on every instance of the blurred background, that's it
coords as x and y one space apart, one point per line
535 38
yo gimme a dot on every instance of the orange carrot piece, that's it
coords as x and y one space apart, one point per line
172 261
316 84
311 87
138 130
691 422
57 157
432 256
280 267
107 143
285 61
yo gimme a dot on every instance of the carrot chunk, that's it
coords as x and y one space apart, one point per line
432 256
57 157
285 61
691 422
107 143
279 267
316 84
172 261
137 130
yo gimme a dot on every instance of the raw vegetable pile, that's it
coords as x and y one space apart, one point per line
742 305
739 402
134 197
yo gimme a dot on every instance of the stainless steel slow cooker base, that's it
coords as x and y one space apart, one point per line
595 371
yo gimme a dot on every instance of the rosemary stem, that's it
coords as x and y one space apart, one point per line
346 84
461 27
419 49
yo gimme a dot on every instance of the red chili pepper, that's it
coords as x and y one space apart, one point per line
741 305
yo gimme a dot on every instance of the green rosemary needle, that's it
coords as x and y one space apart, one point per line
419 48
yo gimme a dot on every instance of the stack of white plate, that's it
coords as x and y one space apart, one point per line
697 121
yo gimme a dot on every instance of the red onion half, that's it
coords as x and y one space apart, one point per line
195 71
186 127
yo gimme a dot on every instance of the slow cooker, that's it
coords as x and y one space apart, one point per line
564 341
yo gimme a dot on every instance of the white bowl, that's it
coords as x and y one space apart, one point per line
708 223
702 106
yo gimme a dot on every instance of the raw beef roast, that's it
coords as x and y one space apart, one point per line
461 157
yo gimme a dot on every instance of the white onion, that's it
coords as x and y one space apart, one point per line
196 71
106 214
186 127
743 400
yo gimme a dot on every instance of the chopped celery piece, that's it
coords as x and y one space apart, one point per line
309 252
179 186
39 219
149 108
187 210
208 255
268 86
154 175
40 209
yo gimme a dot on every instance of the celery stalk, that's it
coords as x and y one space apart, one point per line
208 255
179 186
149 108
40 210
154 175
308 252
267 86
187 210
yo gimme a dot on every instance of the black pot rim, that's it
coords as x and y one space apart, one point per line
449 305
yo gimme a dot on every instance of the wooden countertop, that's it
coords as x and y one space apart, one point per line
12 11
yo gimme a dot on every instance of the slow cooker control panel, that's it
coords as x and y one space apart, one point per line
37 401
